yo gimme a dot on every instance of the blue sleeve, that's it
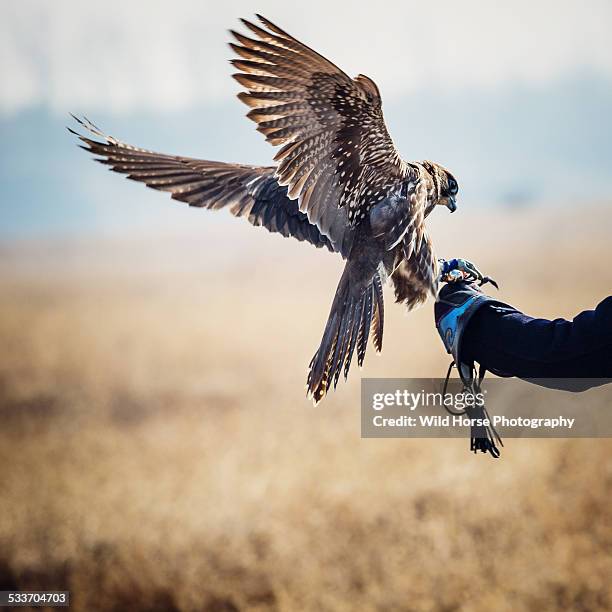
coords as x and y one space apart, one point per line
510 343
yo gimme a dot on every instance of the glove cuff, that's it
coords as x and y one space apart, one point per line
455 309
452 325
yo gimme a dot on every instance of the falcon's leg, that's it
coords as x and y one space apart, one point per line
455 270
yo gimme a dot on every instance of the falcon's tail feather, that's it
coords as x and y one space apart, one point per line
354 313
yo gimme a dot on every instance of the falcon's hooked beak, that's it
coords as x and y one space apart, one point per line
451 204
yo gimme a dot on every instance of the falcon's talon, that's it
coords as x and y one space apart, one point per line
457 270
488 279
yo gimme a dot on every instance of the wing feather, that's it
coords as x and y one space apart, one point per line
248 191
330 127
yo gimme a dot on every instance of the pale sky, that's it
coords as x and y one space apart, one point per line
126 56
513 96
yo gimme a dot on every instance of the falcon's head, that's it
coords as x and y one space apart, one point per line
445 185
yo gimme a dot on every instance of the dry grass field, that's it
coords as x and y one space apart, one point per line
157 451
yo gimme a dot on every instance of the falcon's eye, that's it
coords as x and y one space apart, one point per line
453 188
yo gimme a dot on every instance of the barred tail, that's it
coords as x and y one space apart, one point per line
354 312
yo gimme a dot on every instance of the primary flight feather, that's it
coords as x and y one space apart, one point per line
338 183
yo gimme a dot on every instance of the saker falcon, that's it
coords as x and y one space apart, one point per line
338 182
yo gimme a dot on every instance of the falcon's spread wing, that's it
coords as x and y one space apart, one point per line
248 191
336 149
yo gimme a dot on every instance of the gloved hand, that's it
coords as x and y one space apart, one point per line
456 304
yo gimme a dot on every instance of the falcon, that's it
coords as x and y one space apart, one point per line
338 182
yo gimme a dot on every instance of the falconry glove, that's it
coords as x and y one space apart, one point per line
457 303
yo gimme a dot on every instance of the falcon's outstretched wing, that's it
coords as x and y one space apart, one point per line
248 191
336 149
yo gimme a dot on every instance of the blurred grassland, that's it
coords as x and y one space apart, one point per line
158 452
